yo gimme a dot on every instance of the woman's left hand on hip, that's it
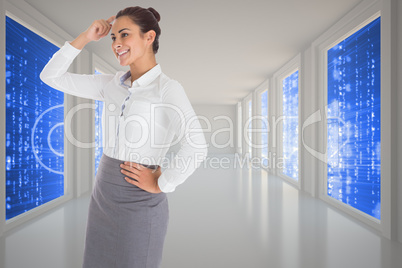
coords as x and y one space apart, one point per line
142 177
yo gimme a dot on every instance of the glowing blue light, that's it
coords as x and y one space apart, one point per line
264 133
290 132
98 131
354 112
34 124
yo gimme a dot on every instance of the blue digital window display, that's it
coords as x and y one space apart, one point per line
34 124
354 113
290 132
264 133
98 131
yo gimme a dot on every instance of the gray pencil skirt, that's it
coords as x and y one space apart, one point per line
126 225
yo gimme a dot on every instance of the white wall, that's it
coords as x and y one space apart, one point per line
78 162
398 110
309 106
219 125
78 168
314 169
82 169
312 96
83 132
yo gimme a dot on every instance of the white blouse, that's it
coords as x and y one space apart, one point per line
140 121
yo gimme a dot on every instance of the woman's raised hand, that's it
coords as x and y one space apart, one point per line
97 30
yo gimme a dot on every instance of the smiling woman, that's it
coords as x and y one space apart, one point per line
144 111
130 46
145 21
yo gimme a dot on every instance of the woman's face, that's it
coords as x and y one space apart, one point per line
128 45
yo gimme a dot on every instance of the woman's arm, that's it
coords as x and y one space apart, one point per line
55 72
193 150
192 153
95 32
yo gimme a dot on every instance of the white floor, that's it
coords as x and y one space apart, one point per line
221 218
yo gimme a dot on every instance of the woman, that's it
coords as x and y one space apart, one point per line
144 110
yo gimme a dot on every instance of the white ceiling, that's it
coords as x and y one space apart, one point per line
218 50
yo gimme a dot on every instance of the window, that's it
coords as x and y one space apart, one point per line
290 126
98 131
250 127
264 127
99 67
353 120
239 128
34 124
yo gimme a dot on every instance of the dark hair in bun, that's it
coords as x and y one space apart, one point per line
146 18
156 14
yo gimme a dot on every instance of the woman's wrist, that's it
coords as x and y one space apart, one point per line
157 188
80 41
